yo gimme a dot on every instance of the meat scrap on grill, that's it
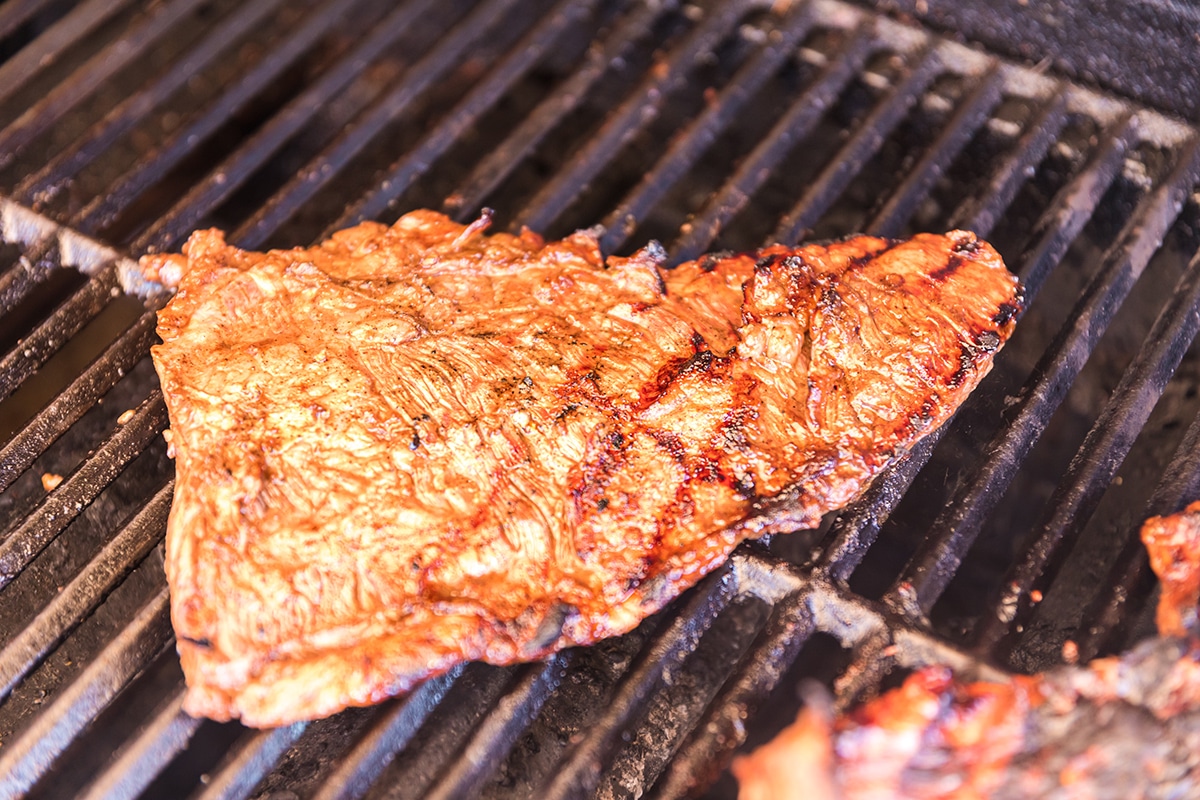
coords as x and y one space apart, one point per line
417 445
1121 727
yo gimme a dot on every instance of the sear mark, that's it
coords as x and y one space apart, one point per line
951 266
831 299
965 242
1005 313
988 341
708 262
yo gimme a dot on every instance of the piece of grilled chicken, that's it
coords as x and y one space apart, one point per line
416 445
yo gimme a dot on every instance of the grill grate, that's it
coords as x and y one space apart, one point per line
123 126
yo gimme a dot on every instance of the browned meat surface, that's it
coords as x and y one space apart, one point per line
1126 727
1117 728
413 446
1173 543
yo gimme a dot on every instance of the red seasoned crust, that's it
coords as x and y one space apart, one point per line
415 445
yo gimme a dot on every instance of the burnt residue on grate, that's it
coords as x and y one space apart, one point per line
705 125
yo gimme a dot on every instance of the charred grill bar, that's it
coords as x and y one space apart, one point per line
718 124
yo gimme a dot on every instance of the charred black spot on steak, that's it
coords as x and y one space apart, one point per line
951 266
709 261
965 243
1005 313
744 485
700 362
969 355
923 416
988 341
831 299
795 263
858 262
707 469
671 444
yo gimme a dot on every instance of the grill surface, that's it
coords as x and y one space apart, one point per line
721 124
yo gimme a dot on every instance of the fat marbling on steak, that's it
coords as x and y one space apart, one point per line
415 445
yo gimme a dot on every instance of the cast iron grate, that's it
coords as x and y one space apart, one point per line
123 126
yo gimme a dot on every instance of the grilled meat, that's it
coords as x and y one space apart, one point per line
412 446
1119 728
1126 727
1173 543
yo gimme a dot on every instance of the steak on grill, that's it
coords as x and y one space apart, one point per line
412 446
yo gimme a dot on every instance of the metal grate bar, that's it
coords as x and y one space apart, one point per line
52 42
28 757
16 13
807 605
100 68
153 166
71 404
53 332
85 591
236 778
703 131
163 738
874 657
1075 205
890 219
853 156
579 772
722 729
791 128
401 175
449 53
237 168
982 212
856 529
500 163
440 740
931 568
65 503
498 732
43 184
1101 454
391 732
628 119
1131 577
21 278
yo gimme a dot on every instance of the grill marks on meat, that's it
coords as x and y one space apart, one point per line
413 446
1119 727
